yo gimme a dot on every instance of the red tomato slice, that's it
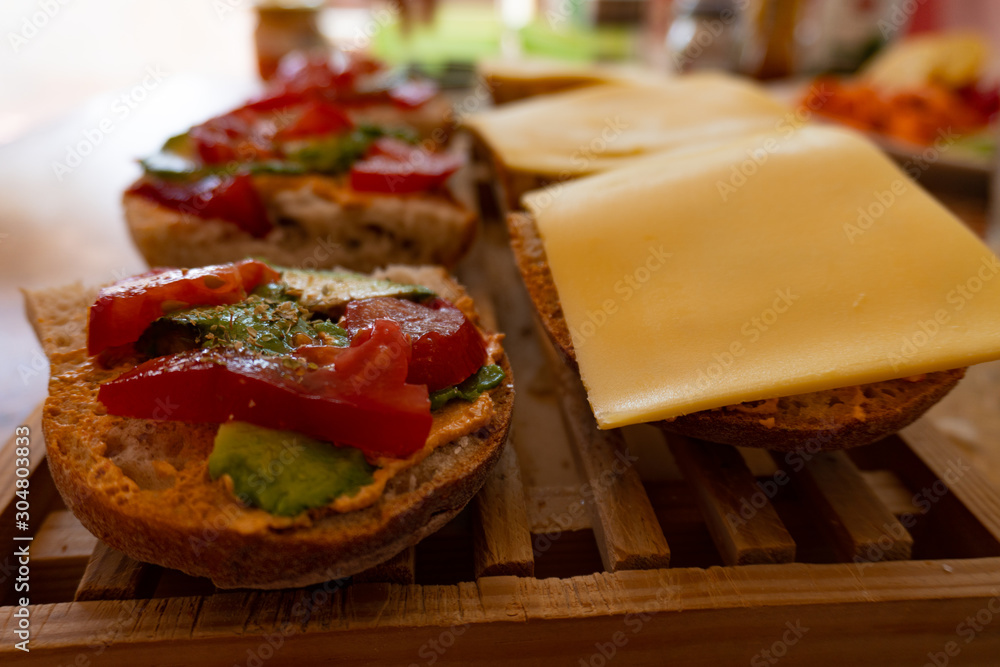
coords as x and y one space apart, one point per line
275 101
447 347
359 398
317 118
395 166
240 135
230 198
124 310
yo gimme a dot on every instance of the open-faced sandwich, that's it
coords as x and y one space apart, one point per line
566 135
782 291
370 91
269 428
298 179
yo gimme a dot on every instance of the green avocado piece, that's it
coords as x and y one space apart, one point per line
284 472
335 154
486 378
329 291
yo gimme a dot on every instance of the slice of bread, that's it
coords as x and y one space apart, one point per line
823 420
320 223
143 486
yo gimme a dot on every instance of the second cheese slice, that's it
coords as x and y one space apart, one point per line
601 127
772 266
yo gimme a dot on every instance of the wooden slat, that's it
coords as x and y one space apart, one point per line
968 484
554 508
111 575
862 527
62 536
502 535
744 525
41 497
897 614
624 523
890 491
59 556
400 569
36 458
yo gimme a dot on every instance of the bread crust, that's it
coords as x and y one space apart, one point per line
824 420
178 518
321 223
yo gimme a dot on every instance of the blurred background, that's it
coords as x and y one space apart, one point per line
59 53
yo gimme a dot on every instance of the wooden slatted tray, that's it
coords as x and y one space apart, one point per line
584 546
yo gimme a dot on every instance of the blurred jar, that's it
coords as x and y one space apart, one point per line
768 38
704 34
285 26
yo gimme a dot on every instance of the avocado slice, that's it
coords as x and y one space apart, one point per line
284 472
329 291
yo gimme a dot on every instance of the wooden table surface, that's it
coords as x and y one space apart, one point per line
60 228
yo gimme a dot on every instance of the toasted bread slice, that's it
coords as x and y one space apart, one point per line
143 486
321 223
823 420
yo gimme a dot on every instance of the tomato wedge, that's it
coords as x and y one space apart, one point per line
359 397
317 118
124 310
242 134
392 165
230 198
447 347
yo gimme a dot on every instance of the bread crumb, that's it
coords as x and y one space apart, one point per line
767 423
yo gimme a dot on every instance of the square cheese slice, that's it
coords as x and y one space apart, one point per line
601 127
775 265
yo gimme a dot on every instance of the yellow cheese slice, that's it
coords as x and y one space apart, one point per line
772 266
601 127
